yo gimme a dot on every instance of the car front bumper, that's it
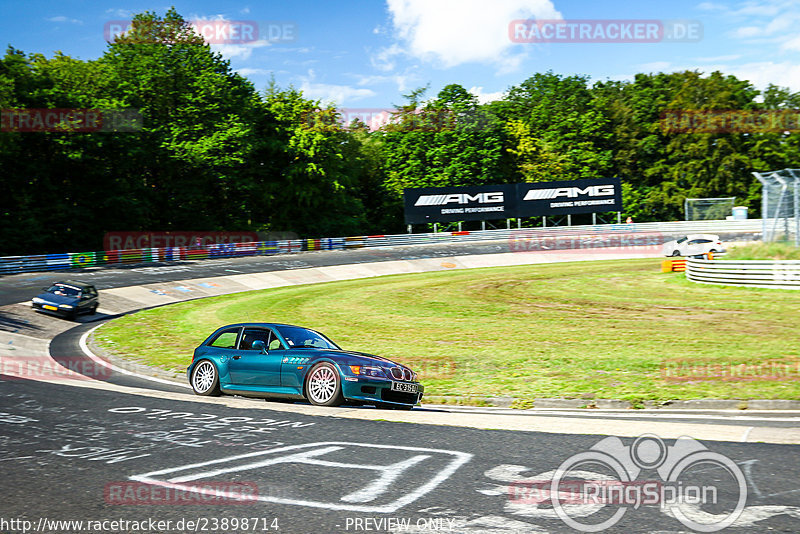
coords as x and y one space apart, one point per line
379 390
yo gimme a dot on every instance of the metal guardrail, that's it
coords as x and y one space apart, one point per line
654 232
777 274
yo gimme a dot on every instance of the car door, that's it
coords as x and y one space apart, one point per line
680 246
87 299
253 367
697 246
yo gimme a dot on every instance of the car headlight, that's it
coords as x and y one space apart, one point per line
65 306
364 370
37 300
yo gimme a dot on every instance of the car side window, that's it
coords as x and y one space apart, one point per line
225 339
681 240
254 334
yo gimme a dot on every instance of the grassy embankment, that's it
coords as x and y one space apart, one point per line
764 251
579 330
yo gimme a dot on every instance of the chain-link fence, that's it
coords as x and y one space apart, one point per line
708 209
780 205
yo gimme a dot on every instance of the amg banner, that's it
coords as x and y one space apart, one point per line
449 204
482 203
571 197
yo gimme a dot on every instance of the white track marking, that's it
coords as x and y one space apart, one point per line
96 359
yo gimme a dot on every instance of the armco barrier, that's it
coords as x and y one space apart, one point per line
776 274
741 229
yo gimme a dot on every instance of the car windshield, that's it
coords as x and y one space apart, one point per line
66 291
297 337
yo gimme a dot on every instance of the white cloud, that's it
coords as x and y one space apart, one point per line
384 59
483 97
716 59
657 66
62 18
792 44
762 73
454 32
248 72
242 51
759 73
402 81
334 94
710 6
120 13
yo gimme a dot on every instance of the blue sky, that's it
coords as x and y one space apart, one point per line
368 53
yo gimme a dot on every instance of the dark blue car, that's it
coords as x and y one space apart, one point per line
67 298
292 362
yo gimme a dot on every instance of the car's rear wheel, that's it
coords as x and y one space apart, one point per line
323 387
205 379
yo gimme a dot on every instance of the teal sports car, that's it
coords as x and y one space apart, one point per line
292 362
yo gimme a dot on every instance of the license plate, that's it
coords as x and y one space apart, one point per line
406 388
48 307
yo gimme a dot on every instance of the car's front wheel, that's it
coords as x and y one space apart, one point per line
323 387
205 379
676 252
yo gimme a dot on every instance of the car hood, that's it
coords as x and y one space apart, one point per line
52 298
352 357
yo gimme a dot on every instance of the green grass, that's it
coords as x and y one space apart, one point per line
576 330
764 251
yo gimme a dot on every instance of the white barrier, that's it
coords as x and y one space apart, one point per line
516 237
776 274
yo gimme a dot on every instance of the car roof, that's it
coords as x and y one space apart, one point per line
73 283
260 324
712 237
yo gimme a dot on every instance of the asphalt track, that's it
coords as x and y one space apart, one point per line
116 447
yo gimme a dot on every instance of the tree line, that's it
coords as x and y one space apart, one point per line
214 153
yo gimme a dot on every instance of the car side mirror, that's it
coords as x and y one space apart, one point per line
259 345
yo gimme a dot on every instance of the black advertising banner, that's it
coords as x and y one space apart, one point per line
470 203
570 197
507 201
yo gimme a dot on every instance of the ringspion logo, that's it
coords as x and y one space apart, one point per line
592 490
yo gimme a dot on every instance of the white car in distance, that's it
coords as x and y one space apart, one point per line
693 245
